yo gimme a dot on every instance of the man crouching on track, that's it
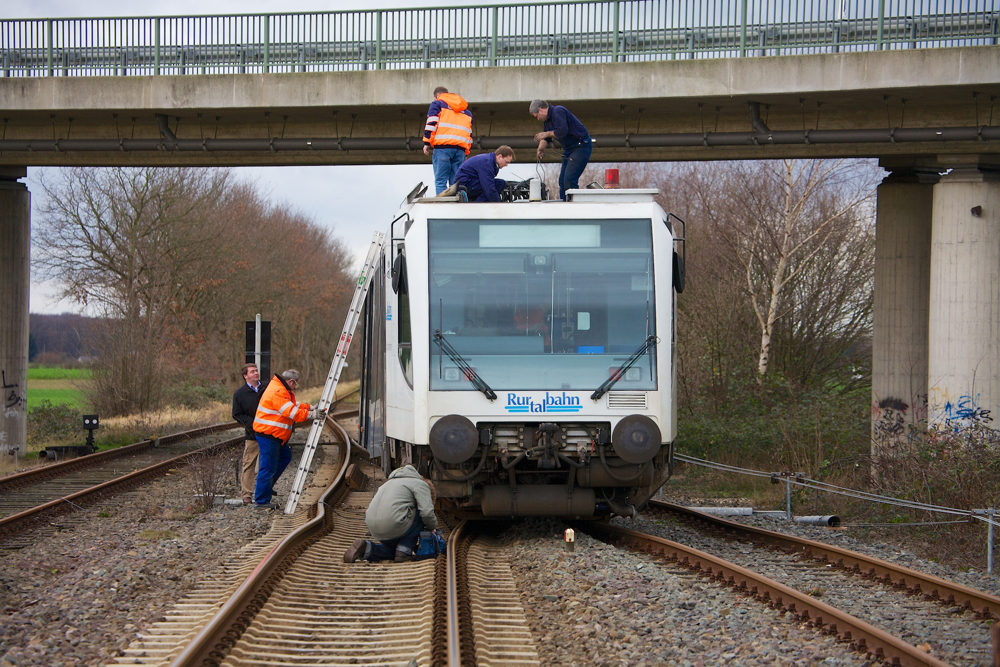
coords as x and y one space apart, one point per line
276 413
401 509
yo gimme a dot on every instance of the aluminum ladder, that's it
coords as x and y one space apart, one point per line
330 388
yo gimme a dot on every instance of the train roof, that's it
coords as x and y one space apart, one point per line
582 195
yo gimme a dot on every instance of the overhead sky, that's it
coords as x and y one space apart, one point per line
352 201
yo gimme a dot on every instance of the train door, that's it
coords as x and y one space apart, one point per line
399 355
372 433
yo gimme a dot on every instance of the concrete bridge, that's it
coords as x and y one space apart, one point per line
853 88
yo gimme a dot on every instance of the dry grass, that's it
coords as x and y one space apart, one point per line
167 421
312 394
119 431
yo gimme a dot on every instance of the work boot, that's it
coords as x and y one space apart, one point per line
356 550
402 557
267 506
450 191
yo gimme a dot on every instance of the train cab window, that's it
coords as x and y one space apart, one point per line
403 333
542 303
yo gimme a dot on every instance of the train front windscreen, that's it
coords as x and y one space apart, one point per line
541 304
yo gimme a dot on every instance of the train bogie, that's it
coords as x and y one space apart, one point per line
522 355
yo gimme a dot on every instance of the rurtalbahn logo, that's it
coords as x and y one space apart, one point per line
563 402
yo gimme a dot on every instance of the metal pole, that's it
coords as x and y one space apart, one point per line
614 45
156 43
267 65
743 30
990 513
378 39
881 25
494 61
788 497
256 343
48 46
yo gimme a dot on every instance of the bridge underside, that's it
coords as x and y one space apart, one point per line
646 111
936 354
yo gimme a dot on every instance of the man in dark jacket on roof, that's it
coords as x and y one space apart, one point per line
478 175
403 507
558 123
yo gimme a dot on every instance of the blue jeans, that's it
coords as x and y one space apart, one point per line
274 458
574 161
446 162
406 543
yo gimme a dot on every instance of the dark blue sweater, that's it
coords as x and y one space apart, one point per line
567 127
479 176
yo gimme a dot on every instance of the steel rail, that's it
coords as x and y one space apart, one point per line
219 635
983 604
22 520
897 135
20 479
861 635
454 639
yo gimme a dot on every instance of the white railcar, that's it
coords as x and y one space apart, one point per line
522 355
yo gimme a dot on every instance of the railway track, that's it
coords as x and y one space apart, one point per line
810 570
35 497
294 601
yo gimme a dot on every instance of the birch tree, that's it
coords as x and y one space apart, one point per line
781 219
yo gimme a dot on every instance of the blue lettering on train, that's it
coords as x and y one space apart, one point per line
550 403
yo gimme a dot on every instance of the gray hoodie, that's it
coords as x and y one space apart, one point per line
397 502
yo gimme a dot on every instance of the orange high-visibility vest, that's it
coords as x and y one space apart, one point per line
278 410
453 128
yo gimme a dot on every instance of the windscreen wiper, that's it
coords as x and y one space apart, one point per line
460 361
620 373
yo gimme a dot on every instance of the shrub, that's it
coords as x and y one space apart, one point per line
192 395
48 424
777 427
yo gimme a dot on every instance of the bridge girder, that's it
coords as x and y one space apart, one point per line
921 88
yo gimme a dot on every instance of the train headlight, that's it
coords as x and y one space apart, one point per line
636 439
454 439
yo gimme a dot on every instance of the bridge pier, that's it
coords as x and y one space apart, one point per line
902 292
964 308
15 244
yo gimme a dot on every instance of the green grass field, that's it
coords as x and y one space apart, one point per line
71 397
51 373
61 386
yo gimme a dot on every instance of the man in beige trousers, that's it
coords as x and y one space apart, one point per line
245 402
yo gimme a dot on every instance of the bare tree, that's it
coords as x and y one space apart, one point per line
120 240
782 226
174 261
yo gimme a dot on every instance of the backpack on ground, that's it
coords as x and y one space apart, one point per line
431 545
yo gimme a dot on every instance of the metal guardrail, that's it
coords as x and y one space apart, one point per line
588 31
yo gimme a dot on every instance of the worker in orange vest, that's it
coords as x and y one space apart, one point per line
276 413
449 133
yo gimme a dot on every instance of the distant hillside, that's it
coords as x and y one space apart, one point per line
55 339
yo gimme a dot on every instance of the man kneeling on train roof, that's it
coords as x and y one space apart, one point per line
478 176
276 413
401 509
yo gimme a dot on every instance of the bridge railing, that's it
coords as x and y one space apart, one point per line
590 31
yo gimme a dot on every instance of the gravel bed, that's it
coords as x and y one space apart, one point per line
601 605
79 596
944 632
971 577
852 538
